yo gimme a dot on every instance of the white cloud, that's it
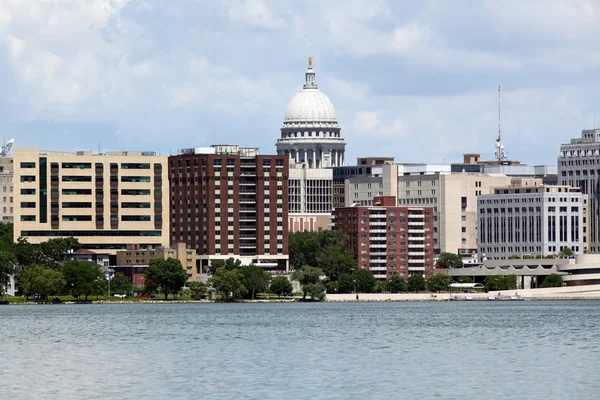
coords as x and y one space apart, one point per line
255 14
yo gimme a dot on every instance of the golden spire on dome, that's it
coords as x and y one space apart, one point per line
309 62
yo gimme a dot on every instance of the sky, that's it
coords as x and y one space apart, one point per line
416 80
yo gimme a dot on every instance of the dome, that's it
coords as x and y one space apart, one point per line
310 105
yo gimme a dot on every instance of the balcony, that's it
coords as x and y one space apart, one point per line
378 238
378 268
377 231
380 276
416 268
416 246
416 253
420 223
377 261
378 253
416 231
381 246
416 216
377 223
416 261
416 238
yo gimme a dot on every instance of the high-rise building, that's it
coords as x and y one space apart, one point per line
579 166
531 221
224 205
389 240
7 206
108 200
311 137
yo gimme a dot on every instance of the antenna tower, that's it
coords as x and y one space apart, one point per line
500 153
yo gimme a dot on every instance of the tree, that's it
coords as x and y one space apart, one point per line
514 257
449 260
381 286
316 291
345 283
364 280
500 282
120 284
303 248
40 281
82 278
49 254
416 283
228 283
281 285
307 275
566 252
464 279
255 279
229 264
168 274
198 289
397 284
6 237
552 280
7 268
439 282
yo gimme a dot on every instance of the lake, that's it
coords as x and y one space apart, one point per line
428 350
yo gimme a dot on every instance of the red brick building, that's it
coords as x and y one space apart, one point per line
229 205
387 239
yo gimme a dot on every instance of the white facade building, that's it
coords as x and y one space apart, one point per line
531 221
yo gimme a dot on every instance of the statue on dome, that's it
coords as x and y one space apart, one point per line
309 62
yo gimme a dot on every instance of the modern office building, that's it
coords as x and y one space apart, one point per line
108 200
579 166
311 137
7 206
387 239
531 221
226 205
134 261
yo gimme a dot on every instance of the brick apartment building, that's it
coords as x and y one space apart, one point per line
389 240
229 203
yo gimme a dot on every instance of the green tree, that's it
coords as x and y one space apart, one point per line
255 279
82 278
198 289
228 264
566 252
464 279
40 281
6 237
363 280
121 284
397 284
335 255
552 280
280 285
514 257
416 283
316 291
52 253
7 268
303 248
168 274
500 282
345 283
449 260
307 275
439 282
381 286
228 284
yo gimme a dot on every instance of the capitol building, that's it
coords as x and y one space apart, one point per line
311 137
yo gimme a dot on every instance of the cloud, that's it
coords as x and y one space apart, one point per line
255 14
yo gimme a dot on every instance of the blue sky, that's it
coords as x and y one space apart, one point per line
413 79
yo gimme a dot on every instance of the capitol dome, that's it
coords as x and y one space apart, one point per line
310 134
310 105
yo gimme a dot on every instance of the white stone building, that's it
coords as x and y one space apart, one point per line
531 221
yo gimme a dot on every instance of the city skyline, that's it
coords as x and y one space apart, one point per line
141 75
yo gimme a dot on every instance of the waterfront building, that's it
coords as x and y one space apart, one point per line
531 221
224 205
366 167
96 257
389 240
579 166
106 200
311 137
7 206
134 261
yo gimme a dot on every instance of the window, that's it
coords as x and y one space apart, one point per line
135 218
135 179
76 204
28 204
135 165
74 218
27 178
27 217
135 192
76 191
75 178
27 191
70 165
27 165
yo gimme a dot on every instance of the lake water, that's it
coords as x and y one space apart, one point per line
445 350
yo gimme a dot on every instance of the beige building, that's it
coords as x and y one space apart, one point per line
6 208
108 201
127 261
453 197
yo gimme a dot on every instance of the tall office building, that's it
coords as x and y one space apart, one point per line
311 137
224 205
531 221
389 240
579 166
108 201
